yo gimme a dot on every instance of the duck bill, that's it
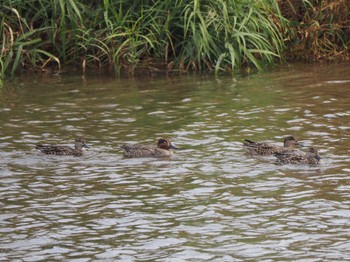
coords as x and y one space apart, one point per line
172 146
300 144
86 146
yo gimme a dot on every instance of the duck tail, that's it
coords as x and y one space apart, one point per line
120 144
39 147
249 141
279 162
281 156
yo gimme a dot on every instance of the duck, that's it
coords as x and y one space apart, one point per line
310 157
265 149
162 149
58 150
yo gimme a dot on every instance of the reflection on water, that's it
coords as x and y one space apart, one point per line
210 201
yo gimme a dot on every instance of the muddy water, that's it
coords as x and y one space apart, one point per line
210 202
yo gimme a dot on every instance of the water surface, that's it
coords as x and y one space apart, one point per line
210 202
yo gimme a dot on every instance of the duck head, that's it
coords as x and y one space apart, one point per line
290 141
165 143
80 142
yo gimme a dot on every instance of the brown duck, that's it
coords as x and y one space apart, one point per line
64 150
310 157
162 149
265 149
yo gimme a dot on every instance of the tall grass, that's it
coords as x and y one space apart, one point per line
218 35
22 43
318 30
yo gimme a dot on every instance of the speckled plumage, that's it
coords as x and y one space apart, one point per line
64 150
310 157
162 149
265 149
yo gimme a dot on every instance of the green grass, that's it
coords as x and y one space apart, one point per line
206 35
198 35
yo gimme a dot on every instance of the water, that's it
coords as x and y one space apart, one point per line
210 202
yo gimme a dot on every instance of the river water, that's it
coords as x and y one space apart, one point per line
210 202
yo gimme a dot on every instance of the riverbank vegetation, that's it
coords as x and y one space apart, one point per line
317 30
215 35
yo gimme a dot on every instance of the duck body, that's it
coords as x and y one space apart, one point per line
63 150
162 149
311 157
265 149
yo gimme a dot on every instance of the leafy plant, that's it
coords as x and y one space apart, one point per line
200 35
318 30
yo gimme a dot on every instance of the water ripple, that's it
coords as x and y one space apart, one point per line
210 201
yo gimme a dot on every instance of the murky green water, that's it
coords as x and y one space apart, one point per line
211 202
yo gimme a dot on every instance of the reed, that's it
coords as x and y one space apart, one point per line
217 35
22 44
317 30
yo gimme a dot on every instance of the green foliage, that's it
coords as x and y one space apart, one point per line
220 35
22 44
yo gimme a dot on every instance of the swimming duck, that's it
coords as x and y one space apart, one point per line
64 150
310 157
162 149
265 149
